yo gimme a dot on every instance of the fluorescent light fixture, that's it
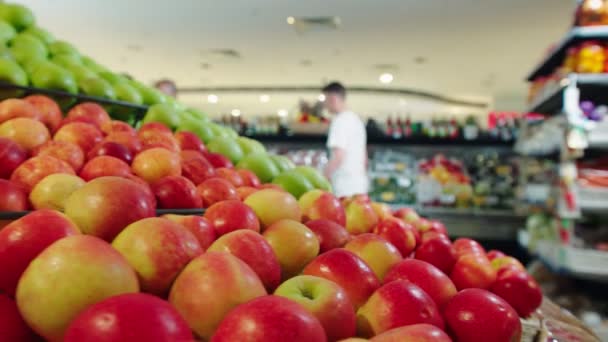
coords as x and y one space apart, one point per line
212 98
236 112
291 20
386 78
282 113
322 97
264 98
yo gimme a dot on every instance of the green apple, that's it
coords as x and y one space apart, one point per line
293 182
79 72
250 146
42 34
314 176
66 60
226 146
11 72
150 96
29 65
197 114
282 162
26 46
5 52
230 133
199 127
20 17
218 130
261 165
60 47
91 64
97 86
125 92
51 76
163 113
113 78
7 32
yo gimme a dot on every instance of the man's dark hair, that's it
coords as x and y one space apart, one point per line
335 88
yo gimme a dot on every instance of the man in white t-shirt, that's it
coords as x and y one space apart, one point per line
347 142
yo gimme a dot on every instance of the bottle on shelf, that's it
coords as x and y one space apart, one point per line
398 130
389 127
407 128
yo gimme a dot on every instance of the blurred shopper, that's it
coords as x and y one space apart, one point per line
167 87
347 142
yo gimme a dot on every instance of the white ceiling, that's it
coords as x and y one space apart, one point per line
475 49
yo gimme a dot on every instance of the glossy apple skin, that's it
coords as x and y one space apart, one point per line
105 206
210 286
23 239
439 253
12 325
473 271
195 167
218 160
348 271
67 277
466 246
155 128
503 262
360 218
294 245
189 141
200 227
413 333
158 249
11 156
53 191
33 170
398 233
126 139
127 318
82 134
520 290
176 192
215 190
231 215
111 149
318 204
255 251
250 179
245 191
270 319
284 206
230 175
51 115
156 163
330 234
493 254
27 133
396 304
479 315
378 253
408 215
116 126
12 197
18 108
382 210
426 276
63 150
91 111
326 300
104 166
153 139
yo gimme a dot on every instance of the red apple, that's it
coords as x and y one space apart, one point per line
195 167
82 134
479 315
80 119
211 286
398 233
92 111
378 253
155 128
255 251
63 150
270 319
27 133
218 160
465 246
116 126
11 156
473 271
397 304
439 253
12 197
520 290
111 149
200 227
426 276
12 326
158 249
294 245
126 139
413 333
245 191
22 240
360 218
104 166
423 225
50 112
439 227
189 141
53 191
430 235
326 300
504 262
152 139
17 108
284 206
494 254
176 192
33 170
249 178
231 215
408 215
318 204
230 175
330 234
347 270
156 163
382 210
215 190
127 318
105 206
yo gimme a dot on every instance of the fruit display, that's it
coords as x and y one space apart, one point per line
591 13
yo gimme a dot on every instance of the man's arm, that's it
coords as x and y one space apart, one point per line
337 158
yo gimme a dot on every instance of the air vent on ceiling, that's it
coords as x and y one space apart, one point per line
227 53
307 24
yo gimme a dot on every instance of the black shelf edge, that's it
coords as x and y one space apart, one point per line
552 101
576 35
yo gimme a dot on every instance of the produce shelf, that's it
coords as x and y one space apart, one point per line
593 199
14 215
574 262
576 35
551 102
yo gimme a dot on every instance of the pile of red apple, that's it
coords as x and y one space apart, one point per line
94 263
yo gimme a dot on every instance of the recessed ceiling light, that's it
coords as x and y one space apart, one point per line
236 112
213 98
386 78
322 97
291 20
264 98
282 112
